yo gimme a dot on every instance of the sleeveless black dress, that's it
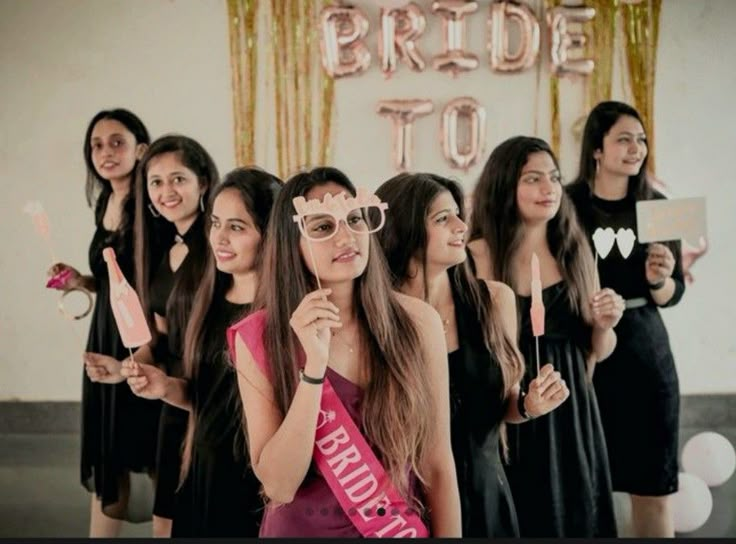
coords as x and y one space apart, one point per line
173 420
558 465
642 425
118 429
476 413
220 496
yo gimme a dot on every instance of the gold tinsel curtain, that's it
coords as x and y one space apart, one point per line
554 96
600 48
641 31
293 76
243 67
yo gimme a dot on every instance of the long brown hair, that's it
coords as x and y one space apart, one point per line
258 190
496 221
410 197
398 405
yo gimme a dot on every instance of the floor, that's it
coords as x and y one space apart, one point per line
41 495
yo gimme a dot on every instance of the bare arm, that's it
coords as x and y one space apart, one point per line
280 447
442 494
505 301
177 393
603 342
150 382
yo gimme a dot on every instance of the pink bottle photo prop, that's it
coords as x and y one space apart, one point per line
126 307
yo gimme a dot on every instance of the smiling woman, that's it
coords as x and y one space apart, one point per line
612 180
118 431
174 180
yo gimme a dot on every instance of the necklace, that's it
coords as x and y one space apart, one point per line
446 320
337 336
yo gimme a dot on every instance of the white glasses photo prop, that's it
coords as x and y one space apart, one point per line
319 220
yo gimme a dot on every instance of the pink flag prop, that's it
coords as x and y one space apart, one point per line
41 222
537 309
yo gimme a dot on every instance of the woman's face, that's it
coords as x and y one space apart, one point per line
173 188
624 148
114 150
344 256
445 232
539 190
234 238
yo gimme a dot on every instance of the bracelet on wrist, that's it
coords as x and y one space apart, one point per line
657 286
520 406
309 379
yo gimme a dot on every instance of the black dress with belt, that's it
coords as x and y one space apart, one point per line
637 386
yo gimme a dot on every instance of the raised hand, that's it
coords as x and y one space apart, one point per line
74 279
659 264
312 322
608 307
546 392
146 381
102 368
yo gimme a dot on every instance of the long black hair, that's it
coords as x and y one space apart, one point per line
599 123
258 190
497 222
154 235
97 190
410 197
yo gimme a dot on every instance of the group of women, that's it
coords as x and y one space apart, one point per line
328 361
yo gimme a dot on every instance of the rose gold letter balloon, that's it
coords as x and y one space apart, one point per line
402 114
565 41
501 59
400 27
473 116
454 59
342 29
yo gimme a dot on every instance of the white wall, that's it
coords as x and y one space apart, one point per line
167 60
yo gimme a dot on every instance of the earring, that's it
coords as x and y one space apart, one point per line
201 202
597 166
153 210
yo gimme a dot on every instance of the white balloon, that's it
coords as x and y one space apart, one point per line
692 504
709 456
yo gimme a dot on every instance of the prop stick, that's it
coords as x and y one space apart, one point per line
537 309
41 221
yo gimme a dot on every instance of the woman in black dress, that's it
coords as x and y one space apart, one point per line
219 496
642 426
174 181
424 241
558 467
118 430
